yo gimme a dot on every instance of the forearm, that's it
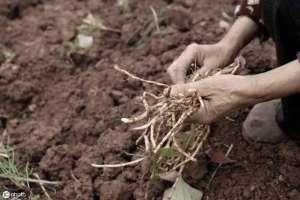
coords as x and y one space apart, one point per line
277 83
240 34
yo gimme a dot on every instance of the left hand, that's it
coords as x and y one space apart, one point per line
221 94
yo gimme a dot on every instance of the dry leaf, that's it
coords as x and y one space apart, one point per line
217 156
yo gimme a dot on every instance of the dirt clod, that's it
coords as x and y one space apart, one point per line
75 120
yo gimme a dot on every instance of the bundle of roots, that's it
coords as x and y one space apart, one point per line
162 140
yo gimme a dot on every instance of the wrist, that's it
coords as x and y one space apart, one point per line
230 48
254 92
240 34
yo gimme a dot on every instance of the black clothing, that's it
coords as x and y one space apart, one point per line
282 20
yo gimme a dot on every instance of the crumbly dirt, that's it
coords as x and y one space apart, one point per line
62 111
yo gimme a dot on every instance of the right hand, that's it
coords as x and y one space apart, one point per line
208 57
220 95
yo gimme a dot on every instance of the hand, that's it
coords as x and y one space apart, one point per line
221 94
207 56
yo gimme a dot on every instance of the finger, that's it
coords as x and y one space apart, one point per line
200 118
184 89
178 68
202 87
202 115
207 67
204 71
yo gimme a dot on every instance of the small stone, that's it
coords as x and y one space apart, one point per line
281 178
247 193
85 41
15 67
252 188
31 107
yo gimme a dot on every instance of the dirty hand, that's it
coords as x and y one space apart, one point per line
208 57
221 94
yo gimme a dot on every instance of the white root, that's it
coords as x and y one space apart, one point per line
141 137
119 165
42 186
153 95
147 143
145 126
195 152
168 113
175 128
138 78
180 150
135 119
152 139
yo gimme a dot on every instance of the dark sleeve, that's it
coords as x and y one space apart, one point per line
251 8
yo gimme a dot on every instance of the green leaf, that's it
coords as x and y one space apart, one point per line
182 191
165 152
162 153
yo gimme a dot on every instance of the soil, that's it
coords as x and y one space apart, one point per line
62 111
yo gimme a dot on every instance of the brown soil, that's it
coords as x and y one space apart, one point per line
62 112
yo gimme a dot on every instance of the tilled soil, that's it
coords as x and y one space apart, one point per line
62 112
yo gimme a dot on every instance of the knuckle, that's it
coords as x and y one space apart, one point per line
193 46
175 90
169 70
173 70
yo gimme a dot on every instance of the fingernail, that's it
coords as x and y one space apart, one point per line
167 92
192 90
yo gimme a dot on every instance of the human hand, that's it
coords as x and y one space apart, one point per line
220 93
208 57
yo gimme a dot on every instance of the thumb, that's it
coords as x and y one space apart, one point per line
205 70
210 64
207 67
184 89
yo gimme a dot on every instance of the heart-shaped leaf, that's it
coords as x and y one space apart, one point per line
182 191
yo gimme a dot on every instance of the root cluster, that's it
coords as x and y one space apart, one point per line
162 140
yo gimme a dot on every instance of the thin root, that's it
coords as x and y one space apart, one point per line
119 165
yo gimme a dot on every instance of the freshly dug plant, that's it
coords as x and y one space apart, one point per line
164 144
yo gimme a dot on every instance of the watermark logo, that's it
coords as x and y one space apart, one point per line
14 195
6 195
